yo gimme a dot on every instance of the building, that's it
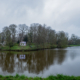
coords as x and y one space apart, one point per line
22 43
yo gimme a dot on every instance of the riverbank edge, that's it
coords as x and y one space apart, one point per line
27 49
72 45
51 77
36 48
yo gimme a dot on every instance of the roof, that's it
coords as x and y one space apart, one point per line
23 42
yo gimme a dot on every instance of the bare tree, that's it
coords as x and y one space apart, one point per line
12 29
32 33
23 28
74 40
7 34
2 37
62 39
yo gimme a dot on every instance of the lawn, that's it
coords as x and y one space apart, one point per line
18 47
29 47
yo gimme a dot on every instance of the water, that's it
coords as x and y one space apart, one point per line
41 63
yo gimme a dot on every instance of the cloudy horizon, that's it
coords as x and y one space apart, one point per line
61 15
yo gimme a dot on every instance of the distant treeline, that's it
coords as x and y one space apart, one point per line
37 34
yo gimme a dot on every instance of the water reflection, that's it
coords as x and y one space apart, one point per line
22 56
34 62
7 62
38 62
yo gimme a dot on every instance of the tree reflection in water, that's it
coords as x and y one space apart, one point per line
7 62
34 62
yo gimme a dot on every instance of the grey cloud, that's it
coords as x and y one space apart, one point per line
59 14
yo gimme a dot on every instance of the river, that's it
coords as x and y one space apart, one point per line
41 63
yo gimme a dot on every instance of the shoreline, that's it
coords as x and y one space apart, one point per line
51 77
28 49
36 49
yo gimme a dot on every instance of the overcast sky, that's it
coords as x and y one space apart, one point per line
61 15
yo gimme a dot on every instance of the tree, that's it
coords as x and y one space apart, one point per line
5 31
74 40
25 38
62 39
10 44
8 39
12 29
32 33
51 36
0 41
2 35
23 28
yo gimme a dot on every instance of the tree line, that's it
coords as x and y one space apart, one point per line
37 34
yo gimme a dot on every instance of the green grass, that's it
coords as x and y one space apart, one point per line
29 47
22 77
34 47
18 47
73 45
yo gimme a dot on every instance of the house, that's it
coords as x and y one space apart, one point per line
22 43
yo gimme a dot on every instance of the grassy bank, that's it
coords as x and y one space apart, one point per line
58 77
32 47
28 47
72 45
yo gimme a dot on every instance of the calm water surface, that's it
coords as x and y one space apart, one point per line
41 63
